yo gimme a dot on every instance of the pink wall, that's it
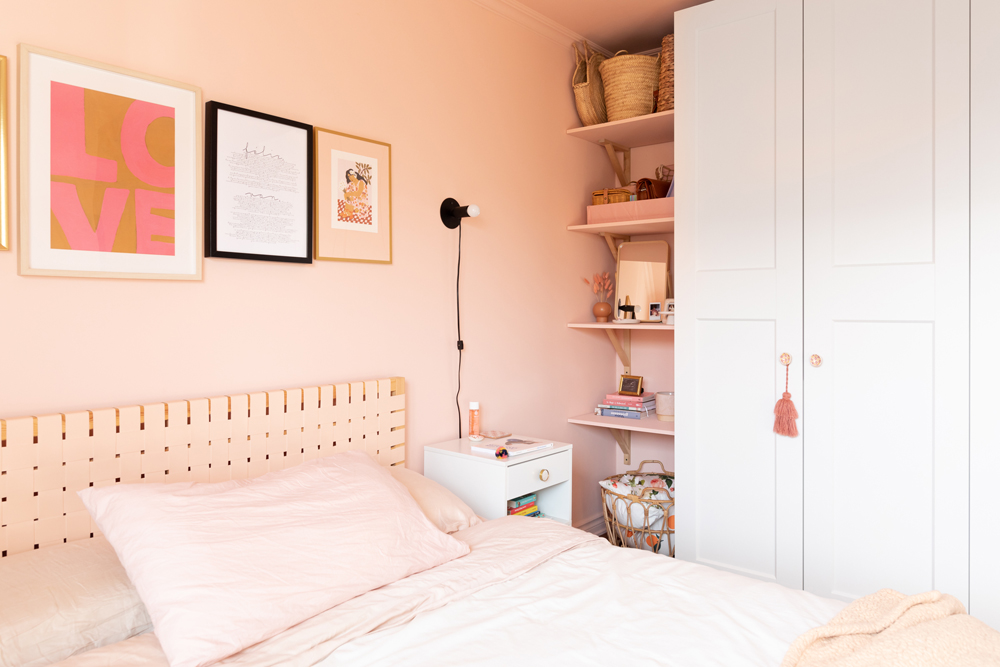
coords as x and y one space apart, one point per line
474 106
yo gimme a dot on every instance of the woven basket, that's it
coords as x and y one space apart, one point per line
612 196
635 532
666 99
588 89
629 82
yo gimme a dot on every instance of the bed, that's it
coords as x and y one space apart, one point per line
526 591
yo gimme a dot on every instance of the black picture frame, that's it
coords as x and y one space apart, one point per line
212 109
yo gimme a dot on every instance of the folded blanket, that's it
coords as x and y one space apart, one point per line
888 628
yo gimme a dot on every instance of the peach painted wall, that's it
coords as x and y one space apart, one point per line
475 107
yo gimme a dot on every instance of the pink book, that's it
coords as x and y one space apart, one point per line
637 401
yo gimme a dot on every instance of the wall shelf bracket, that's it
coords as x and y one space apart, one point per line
622 347
623 169
624 439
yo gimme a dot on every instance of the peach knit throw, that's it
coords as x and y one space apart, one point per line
888 629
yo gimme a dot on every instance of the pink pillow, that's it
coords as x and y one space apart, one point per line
444 509
223 566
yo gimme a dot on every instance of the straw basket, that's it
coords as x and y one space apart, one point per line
611 196
666 99
640 521
629 82
588 88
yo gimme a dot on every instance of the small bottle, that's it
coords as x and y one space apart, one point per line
474 418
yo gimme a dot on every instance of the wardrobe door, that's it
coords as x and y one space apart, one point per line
886 296
984 522
738 284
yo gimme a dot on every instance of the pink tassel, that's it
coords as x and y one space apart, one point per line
785 413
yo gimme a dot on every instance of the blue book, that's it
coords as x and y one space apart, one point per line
523 500
605 412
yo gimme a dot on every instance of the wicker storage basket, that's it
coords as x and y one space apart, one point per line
629 82
588 89
612 196
666 99
629 518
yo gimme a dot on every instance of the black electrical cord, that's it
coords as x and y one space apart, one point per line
458 319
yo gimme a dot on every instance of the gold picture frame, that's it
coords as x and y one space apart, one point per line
341 235
630 385
43 252
4 178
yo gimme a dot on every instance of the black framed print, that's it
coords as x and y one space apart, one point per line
258 185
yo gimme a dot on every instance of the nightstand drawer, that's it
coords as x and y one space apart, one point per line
526 477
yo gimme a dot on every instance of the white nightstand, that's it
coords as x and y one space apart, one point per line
486 483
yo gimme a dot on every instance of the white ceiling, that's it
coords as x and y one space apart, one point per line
635 25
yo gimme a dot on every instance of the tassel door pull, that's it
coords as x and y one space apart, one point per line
785 413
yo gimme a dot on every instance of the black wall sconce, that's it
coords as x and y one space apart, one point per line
451 215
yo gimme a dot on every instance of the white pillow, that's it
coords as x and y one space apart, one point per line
444 509
223 566
65 599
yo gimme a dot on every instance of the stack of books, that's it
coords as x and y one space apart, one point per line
628 407
523 506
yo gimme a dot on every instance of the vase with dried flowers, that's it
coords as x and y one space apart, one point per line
602 287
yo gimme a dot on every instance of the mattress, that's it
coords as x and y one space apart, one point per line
533 591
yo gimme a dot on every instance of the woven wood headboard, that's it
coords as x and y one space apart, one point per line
44 461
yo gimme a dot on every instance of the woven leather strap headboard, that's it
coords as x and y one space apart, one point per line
44 461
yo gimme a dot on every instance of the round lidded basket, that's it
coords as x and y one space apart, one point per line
644 521
629 82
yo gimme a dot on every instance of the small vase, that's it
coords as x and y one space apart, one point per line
601 311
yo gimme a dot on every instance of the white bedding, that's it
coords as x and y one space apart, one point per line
535 592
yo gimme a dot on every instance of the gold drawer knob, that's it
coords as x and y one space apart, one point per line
544 475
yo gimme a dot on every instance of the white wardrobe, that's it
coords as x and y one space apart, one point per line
826 194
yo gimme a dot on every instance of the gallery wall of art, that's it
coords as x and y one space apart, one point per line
474 107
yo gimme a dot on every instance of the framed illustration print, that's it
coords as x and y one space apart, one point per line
258 185
110 171
353 198
4 214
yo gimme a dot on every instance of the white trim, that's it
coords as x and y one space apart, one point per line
543 25
595 524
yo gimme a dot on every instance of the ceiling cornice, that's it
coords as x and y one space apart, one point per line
543 25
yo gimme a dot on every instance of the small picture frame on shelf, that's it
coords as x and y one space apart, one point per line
630 385
668 305
654 311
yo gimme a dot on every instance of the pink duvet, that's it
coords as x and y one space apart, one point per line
221 567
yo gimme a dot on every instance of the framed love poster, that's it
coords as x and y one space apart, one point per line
353 198
110 173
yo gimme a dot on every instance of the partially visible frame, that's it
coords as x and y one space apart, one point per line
258 185
110 171
353 221
4 178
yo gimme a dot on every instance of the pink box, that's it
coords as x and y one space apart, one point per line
630 211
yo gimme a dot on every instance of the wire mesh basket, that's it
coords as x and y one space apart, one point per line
639 509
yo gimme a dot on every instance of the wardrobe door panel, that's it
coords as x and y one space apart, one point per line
738 284
887 301
984 599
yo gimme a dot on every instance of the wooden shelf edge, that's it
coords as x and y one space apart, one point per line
627 227
618 131
644 425
614 325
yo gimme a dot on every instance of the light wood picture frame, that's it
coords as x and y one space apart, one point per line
4 177
111 164
353 191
